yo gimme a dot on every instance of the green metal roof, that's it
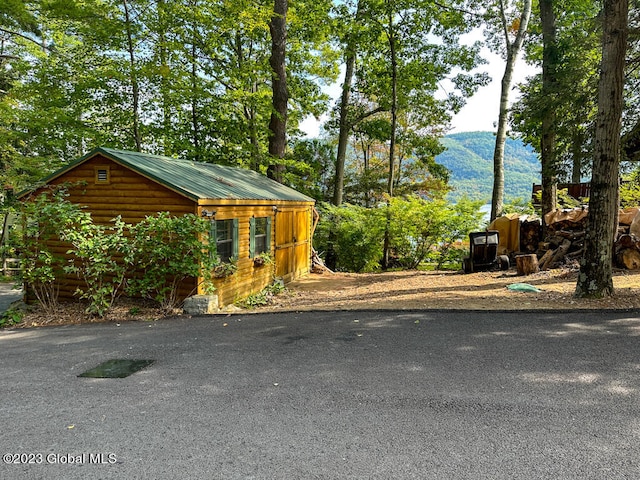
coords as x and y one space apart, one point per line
198 180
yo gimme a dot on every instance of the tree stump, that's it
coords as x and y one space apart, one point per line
527 264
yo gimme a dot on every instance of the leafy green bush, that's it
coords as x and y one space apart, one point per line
419 230
415 228
102 258
459 219
357 236
43 220
159 253
169 250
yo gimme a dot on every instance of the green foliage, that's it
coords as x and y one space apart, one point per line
521 206
44 218
420 230
630 190
169 250
225 269
459 219
263 297
430 229
178 78
265 258
11 317
156 255
415 227
102 257
358 235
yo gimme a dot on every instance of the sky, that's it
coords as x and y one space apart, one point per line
481 111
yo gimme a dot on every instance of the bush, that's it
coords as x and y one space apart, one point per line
43 220
459 219
416 227
102 258
419 230
165 249
357 236
169 250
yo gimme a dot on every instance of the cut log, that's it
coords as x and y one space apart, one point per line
527 264
626 241
629 258
560 252
546 258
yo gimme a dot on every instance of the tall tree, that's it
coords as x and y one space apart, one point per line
568 92
278 122
596 277
511 47
548 139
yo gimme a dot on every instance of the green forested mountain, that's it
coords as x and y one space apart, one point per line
469 157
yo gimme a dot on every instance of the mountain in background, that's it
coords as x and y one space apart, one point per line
469 157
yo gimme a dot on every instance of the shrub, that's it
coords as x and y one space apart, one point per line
419 230
169 250
415 228
357 236
44 218
102 258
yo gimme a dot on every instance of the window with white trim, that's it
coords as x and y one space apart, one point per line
260 236
226 234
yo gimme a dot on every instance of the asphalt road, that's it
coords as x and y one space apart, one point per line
362 395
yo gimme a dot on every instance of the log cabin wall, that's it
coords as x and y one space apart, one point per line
291 259
123 192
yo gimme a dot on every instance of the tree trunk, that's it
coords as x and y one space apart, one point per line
596 272
497 197
195 122
577 140
345 125
134 79
392 140
278 123
548 138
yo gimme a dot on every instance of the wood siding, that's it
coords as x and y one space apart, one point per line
127 193
249 278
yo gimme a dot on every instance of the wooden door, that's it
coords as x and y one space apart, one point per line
292 243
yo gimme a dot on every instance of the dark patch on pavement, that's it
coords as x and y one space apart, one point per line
116 368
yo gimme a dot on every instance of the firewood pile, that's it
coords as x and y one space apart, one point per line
563 244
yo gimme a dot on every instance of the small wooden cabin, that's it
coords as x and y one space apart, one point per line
250 213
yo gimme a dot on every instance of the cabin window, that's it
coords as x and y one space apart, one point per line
260 236
226 234
103 175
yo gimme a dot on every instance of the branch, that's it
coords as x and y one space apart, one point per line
461 10
505 26
21 35
368 114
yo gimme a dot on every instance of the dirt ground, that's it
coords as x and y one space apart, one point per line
450 290
408 290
